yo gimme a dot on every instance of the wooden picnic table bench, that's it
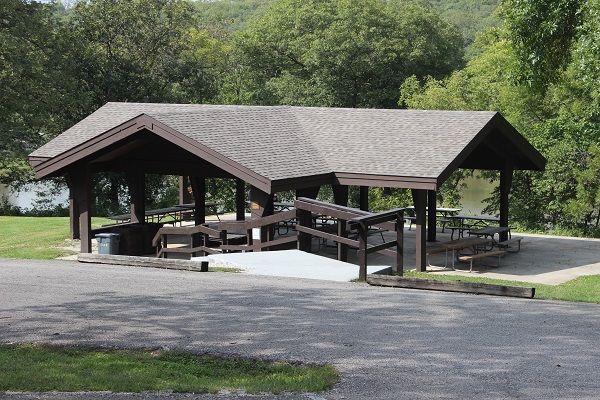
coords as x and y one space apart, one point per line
473 257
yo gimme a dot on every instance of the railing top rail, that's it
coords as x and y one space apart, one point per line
184 230
376 218
257 223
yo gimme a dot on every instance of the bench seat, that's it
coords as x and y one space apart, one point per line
510 243
472 257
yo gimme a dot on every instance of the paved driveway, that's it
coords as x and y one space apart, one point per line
388 343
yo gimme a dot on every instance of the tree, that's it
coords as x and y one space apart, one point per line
346 53
39 94
542 33
133 46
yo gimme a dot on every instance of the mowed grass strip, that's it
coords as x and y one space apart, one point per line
584 288
43 368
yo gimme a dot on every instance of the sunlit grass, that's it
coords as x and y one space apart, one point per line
584 288
36 237
43 368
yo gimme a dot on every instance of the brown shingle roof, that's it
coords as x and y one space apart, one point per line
284 142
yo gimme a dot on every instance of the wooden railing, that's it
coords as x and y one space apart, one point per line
345 220
265 224
348 219
199 237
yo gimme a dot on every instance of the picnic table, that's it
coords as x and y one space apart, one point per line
491 231
443 212
175 212
474 243
478 221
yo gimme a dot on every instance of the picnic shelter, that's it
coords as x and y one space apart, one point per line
280 148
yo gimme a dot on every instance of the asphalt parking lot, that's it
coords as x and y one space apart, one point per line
387 343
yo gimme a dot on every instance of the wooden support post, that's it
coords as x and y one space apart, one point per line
261 205
82 182
400 243
340 195
364 198
240 200
362 251
506 175
199 191
75 233
304 239
431 216
420 202
137 188
185 197
342 249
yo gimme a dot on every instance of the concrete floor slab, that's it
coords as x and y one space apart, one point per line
289 263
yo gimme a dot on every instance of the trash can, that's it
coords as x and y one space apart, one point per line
108 243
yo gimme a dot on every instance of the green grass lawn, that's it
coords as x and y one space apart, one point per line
36 237
44 368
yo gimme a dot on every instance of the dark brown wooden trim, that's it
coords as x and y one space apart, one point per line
75 232
302 182
143 121
81 180
137 194
431 215
340 195
506 176
240 200
385 181
363 198
450 286
420 202
199 192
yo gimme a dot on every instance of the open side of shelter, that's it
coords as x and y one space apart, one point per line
282 148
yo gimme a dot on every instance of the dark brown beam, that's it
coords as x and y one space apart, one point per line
261 205
185 197
364 198
340 195
75 233
81 181
240 200
137 195
420 203
310 192
432 211
506 175
199 192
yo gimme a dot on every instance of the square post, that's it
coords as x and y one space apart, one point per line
74 232
261 205
506 175
431 215
420 202
185 197
240 200
400 243
364 198
137 188
81 181
362 252
199 191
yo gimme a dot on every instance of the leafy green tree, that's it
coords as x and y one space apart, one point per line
542 33
133 46
347 53
40 94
